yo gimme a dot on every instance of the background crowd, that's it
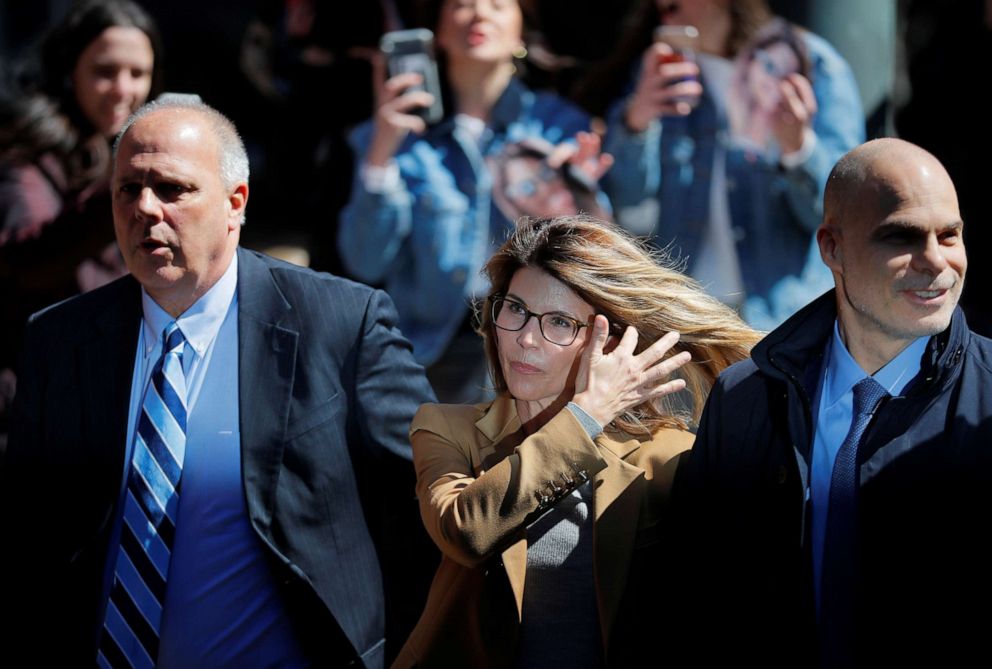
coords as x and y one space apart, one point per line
724 169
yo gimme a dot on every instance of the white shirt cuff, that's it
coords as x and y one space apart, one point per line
796 158
380 179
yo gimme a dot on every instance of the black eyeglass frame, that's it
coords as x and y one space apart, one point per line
497 302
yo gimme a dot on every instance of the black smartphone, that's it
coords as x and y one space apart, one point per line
413 51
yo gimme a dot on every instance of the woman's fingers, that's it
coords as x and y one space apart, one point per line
600 333
667 388
401 82
664 369
656 351
561 154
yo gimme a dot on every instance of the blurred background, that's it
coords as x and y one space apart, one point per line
293 76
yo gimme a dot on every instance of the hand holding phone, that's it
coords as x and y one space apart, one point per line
682 40
668 84
413 51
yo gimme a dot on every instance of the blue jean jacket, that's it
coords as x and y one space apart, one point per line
660 185
427 241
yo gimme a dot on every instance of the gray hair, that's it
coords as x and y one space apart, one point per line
233 157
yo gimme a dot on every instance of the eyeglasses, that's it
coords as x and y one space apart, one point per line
557 328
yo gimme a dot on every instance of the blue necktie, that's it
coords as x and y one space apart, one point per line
134 611
838 591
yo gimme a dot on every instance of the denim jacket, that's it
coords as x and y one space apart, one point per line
427 241
660 185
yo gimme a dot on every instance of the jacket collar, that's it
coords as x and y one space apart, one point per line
105 349
511 106
794 350
267 345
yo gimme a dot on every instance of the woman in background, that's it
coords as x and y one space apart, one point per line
743 216
57 122
549 503
421 220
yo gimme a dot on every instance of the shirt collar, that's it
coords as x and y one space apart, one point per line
201 322
843 372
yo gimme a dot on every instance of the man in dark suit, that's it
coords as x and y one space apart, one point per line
833 501
277 397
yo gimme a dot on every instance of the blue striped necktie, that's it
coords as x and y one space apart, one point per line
134 611
839 580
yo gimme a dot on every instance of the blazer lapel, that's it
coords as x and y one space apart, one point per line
267 343
500 428
106 367
617 493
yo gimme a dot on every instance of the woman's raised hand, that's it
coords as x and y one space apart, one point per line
585 153
609 384
663 88
394 115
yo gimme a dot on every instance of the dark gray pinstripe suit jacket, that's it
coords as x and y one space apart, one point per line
328 386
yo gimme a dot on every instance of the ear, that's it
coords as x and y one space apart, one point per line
237 200
828 238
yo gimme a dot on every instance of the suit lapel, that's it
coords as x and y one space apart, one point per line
500 429
105 355
617 493
267 341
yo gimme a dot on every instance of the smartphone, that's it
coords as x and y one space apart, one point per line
682 39
413 51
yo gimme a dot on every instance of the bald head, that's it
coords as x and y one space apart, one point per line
892 238
871 178
232 157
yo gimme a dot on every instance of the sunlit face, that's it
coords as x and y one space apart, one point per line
480 30
535 369
899 266
112 77
177 224
767 67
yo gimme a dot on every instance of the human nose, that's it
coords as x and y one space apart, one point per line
482 8
119 85
529 335
148 205
930 259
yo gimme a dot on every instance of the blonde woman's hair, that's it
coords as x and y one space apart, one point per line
621 278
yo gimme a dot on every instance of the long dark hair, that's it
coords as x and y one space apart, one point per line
39 112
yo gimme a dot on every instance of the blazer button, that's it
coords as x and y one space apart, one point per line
783 474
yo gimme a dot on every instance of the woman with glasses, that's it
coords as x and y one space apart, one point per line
547 503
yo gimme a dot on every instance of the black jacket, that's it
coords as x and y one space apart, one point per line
925 504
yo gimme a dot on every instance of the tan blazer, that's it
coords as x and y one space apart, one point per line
480 481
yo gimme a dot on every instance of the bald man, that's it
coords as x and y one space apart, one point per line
209 463
835 504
